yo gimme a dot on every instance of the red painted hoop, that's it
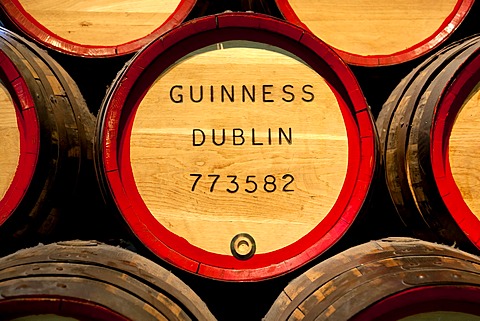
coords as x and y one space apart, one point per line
437 38
118 114
423 299
446 113
29 131
21 18
64 306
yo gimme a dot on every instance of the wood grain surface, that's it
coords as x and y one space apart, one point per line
100 22
464 153
88 280
10 141
369 27
389 279
164 156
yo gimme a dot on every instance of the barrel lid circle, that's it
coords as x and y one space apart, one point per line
237 123
378 34
91 28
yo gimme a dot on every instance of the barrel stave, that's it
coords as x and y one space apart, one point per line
406 126
123 282
56 131
341 286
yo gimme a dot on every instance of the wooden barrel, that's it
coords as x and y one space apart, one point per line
46 140
95 28
389 279
87 280
237 147
428 130
373 33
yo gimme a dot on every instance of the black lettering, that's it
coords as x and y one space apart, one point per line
223 137
265 93
269 136
308 93
201 94
253 138
231 95
292 96
288 139
179 97
195 143
235 136
285 187
211 94
251 95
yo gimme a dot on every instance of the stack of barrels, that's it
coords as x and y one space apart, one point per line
270 160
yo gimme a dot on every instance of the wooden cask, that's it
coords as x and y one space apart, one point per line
390 279
237 147
93 28
87 280
428 132
46 134
378 33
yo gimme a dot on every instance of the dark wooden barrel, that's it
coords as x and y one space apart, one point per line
237 147
96 29
87 280
428 132
46 140
378 33
389 279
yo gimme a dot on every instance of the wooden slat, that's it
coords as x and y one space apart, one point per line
110 277
56 131
404 124
342 285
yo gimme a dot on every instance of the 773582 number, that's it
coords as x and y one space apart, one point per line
251 184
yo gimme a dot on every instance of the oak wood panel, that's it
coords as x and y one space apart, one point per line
101 22
163 155
369 27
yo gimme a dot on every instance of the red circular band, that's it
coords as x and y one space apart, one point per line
449 25
34 29
29 136
446 113
159 55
